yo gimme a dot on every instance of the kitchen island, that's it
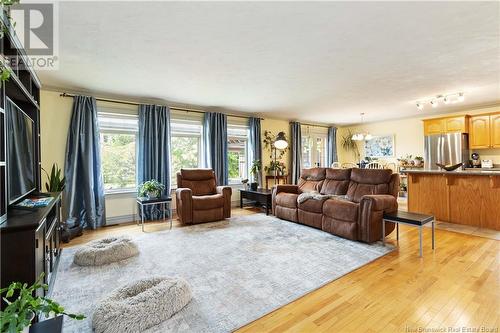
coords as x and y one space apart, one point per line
470 197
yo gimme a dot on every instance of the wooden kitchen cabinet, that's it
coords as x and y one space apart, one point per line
495 130
457 124
480 134
433 126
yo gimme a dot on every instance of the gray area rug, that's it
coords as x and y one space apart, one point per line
239 270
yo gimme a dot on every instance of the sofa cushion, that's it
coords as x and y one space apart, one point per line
284 199
200 187
200 181
197 174
368 181
208 201
311 179
312 205
336 181
371 176
341 209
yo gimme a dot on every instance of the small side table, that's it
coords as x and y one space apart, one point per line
284 178
408 218
52 325
163 201
260 196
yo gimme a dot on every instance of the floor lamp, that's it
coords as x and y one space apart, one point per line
279 143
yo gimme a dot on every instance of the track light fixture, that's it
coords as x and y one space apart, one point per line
447 99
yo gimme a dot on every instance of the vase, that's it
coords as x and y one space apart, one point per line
153 195
27 328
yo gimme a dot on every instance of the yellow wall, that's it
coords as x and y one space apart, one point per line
408 136
275 126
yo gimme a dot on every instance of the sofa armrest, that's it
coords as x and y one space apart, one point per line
226 192
286 188
384 202
371 212
184 204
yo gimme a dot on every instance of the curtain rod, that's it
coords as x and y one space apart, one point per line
312 125
170 107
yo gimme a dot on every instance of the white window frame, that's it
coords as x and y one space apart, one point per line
184 119
242 125
120 130
313 133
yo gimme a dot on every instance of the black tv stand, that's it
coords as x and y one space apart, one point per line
30 243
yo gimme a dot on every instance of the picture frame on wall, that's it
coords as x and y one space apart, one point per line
380 146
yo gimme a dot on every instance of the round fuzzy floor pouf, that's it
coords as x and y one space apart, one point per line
105 251
141 305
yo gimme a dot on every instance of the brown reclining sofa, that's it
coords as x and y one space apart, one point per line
361 197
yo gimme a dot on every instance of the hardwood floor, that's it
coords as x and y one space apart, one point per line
457 286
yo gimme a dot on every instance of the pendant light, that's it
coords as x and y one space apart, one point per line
362 136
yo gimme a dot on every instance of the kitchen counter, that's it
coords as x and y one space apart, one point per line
469 197
459 172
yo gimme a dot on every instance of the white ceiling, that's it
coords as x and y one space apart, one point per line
318 61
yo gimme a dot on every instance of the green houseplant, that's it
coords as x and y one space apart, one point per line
55 181
275 165
22 306
151 188
350 145
255 171
419 161
5 70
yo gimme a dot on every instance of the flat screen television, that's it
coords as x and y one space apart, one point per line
20 152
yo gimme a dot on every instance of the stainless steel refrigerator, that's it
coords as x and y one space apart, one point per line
451 148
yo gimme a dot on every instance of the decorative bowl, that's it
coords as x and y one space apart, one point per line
449 167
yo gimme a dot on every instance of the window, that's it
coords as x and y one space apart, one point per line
313 147
186 143
237 147
118 136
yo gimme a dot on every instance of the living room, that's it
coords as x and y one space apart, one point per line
250 166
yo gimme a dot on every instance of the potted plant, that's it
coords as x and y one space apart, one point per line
22 306
419 161
151 189
255 171
403 190
56 183
350 145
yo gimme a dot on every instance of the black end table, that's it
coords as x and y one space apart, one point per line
259 197
52 325
163 201
408 218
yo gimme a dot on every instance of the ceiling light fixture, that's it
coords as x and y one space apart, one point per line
447 99
362 136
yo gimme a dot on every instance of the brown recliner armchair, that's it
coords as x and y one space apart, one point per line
199 199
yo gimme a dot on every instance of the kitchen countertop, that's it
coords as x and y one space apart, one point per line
474 172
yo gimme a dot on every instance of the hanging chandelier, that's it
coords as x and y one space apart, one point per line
362 135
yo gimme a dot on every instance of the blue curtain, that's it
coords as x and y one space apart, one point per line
255 144
153 160
215 145
84 194
296 147
331 146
